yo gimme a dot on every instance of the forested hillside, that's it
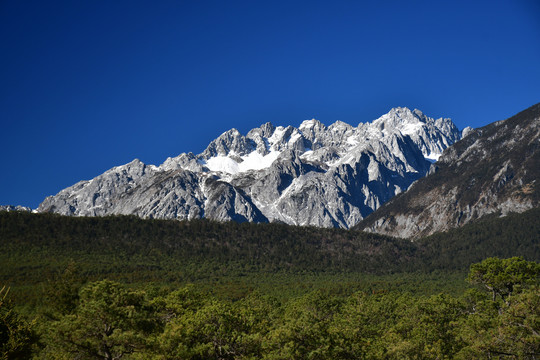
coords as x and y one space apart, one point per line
145 250
107 320
209 290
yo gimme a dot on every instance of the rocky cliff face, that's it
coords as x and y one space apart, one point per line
330 176
494 170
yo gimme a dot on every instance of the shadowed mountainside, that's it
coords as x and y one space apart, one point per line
493 170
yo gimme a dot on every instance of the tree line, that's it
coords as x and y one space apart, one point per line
134 249
497 318
123 287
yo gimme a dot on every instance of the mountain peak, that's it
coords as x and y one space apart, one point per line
230 141
394 119
15 208
311 124
311 175
403 111
491 172
340 124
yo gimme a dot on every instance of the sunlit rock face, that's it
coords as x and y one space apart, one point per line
494 170
328 176
14 208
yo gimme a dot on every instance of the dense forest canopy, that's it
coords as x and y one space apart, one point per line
123 287
107 320
185 250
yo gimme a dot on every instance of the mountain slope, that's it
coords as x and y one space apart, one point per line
311 175
161 250
493 170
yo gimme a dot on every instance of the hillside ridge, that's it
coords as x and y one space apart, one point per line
494 170
326 176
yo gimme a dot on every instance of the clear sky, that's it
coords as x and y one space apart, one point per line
88 85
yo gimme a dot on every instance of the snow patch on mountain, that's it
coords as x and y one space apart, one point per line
432 157
252 161
310 175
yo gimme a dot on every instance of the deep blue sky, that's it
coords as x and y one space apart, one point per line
88 85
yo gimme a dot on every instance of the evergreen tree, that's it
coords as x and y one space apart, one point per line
17 336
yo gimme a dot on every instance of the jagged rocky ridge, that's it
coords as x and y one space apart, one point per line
14 208
494 170
329 176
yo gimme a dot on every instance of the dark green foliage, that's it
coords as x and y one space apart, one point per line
35 247
518 327
305 330
502 276
108 323
268 291
62 292
456 249
185 250
208 328
17 336
111 321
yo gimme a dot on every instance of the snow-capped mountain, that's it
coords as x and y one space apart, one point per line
14 208
331 176
493 171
